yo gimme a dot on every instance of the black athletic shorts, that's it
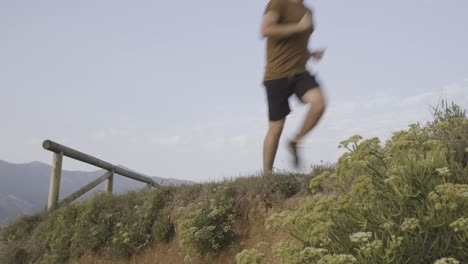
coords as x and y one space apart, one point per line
279 90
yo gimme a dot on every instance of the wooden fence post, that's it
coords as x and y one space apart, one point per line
54 187
110 183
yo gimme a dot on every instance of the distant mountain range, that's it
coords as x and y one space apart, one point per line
24 187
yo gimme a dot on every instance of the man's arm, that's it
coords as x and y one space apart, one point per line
271 28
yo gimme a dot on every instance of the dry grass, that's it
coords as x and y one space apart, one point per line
281 185
250 193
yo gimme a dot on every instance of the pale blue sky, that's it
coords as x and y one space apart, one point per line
173 88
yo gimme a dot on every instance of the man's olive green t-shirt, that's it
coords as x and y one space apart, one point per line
287 56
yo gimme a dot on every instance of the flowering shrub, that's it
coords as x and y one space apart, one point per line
447 261
249 256
207 228
402 202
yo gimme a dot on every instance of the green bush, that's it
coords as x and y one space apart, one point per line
13 248
404 202
287 186
162 230
249 256
94 224
120 225
207 228
55 234
133 231
19 229
13 254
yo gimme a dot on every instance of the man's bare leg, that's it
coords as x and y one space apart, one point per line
316 102
270 145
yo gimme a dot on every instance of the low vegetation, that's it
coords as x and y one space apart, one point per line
405 201
402 202
123 225
118 225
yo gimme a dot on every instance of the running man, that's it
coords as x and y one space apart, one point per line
287 25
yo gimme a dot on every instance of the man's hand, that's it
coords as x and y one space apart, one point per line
318 54
305 22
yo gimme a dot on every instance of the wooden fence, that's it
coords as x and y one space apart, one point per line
60 151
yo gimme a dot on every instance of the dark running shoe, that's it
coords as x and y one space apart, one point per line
292 147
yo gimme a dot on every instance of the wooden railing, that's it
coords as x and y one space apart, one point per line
60 151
